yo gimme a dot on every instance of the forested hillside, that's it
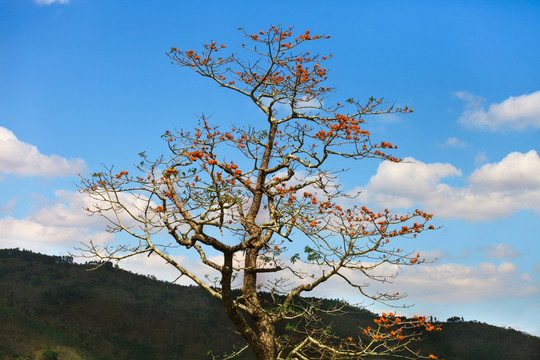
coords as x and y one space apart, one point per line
52 308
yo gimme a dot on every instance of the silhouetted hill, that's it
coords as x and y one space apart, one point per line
50 303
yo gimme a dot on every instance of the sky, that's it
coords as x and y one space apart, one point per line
86 84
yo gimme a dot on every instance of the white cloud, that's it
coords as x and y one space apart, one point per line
451 283
517 172
515 113
59 225
62 224
445 283
500 251
32 235
17 157
405 184
49 2
455 142
495 190
68 209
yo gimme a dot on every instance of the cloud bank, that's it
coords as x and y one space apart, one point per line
494 190
456 283
429 283
17 157
515 113
33 235
58 226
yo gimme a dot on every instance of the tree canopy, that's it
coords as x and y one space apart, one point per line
266 198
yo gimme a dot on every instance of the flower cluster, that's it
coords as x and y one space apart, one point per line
122 173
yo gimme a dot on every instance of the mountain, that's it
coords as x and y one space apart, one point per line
52 308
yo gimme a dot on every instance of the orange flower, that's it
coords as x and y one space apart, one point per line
350 338
118 176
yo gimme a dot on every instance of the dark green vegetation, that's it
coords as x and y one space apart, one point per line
51 308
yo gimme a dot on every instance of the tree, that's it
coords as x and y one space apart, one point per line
255 195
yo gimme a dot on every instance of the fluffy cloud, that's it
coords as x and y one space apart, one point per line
494 191
17 157
49 2
63 223
514 113
32 235
405 184
58 226
68 209
517 172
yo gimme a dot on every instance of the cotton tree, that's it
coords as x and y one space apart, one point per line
267 200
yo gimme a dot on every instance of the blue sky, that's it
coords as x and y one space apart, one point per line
87 82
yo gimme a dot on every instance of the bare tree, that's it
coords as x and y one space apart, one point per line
267 200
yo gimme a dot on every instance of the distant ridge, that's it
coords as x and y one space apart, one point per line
50 306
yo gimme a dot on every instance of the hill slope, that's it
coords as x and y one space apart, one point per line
49 303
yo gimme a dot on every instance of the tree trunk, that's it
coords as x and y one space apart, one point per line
264 325
261 335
